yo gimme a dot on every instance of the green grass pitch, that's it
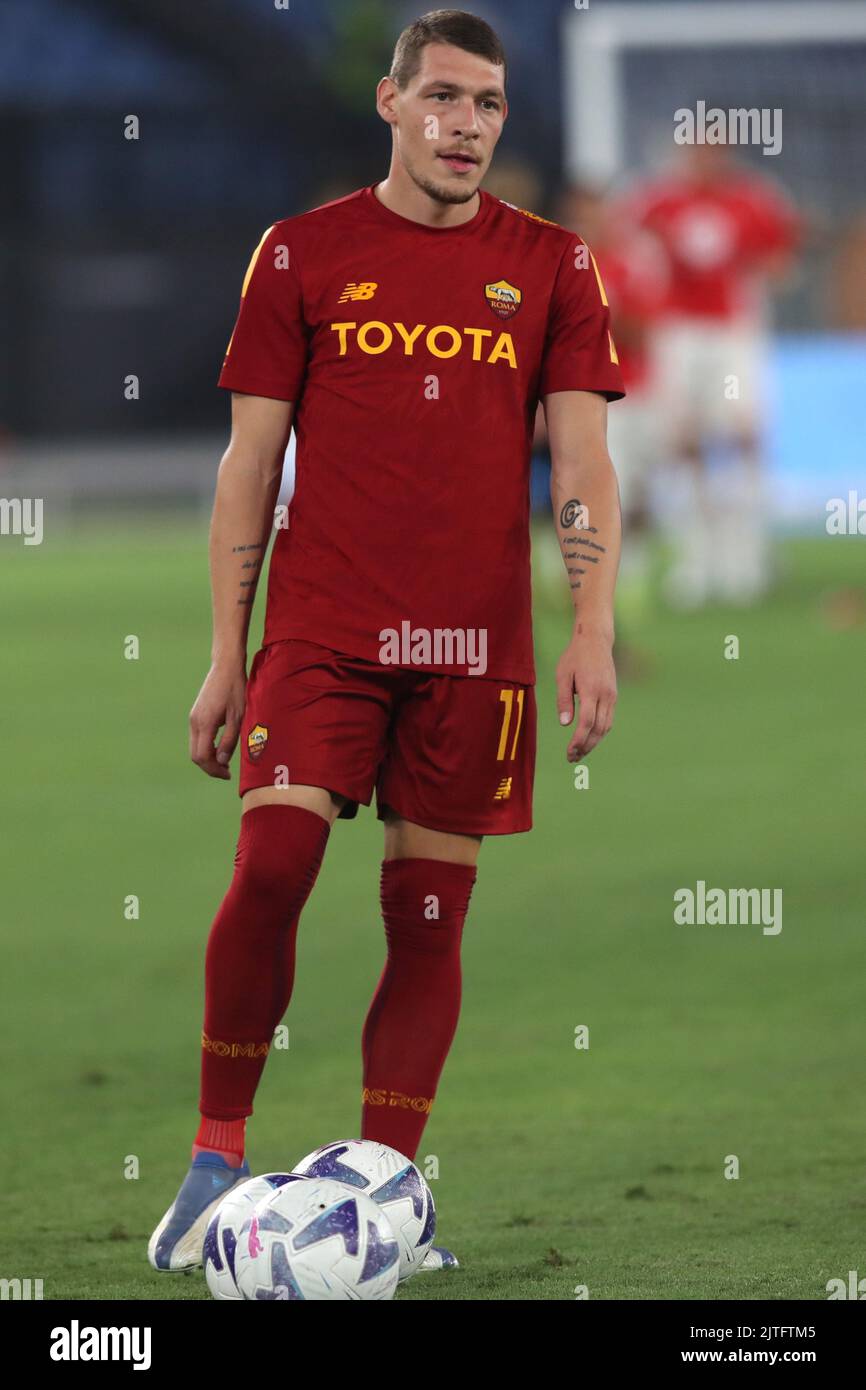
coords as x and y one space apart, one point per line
558 1167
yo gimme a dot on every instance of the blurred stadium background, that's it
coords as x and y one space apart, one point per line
122 257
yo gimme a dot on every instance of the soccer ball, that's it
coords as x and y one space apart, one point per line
221 1237
393 1182
315 1240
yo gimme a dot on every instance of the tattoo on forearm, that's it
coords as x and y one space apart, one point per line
573 515
580 540
572 511
246 600
575 569
578 554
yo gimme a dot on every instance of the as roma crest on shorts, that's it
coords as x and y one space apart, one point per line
503 298
256 740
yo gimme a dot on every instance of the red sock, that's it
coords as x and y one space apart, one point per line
224 1137
413 1016
250 959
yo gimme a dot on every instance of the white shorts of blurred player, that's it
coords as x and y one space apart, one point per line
710 378
711 500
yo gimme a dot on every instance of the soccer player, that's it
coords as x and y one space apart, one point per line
407 331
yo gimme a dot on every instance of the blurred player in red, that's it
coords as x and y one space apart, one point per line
634 271
408 332
727 234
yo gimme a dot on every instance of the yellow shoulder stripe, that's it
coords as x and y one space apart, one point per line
597 276
250 268
252 265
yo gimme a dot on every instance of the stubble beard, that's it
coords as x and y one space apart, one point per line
440 194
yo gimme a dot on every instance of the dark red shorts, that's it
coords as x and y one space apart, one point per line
452 753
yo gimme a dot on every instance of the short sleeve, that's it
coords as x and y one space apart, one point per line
579 352
267 352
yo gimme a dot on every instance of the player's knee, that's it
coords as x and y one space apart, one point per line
279 852
265 876
436 938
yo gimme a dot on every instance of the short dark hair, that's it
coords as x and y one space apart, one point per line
456 27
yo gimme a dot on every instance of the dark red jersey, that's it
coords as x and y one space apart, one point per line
416 357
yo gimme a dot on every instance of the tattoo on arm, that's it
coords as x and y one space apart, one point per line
247 600
572 512
579 540
578 554
571 515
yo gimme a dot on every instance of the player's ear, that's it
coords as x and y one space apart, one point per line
386 97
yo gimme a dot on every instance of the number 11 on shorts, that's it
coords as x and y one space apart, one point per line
507 698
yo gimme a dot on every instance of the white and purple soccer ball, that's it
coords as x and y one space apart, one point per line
316 1240
221 1237
393 1182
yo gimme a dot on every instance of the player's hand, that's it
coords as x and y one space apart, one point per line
586 670
219 705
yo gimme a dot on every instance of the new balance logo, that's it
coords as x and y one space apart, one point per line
365 289
503 791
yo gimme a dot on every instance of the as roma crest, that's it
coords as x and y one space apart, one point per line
504 299
256 740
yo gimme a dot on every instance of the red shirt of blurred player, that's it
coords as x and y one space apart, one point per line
723 230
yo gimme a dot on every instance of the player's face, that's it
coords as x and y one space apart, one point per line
448 121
